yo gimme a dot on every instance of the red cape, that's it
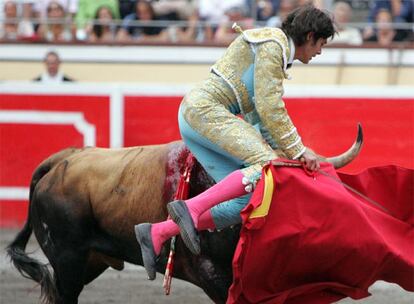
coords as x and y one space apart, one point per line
319 242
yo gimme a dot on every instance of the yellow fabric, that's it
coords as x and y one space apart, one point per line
263 208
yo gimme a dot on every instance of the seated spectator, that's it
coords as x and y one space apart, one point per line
346 34
126 7
40 7
57 28
214 11
265 9
27 13
87 11
193 32
286 6
402 11
11 28
145 31
103 28
52 75
385 33
172 9
225 34
321 4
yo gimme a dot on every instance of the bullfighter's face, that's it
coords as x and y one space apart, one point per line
311 48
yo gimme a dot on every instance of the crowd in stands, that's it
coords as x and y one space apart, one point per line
191 21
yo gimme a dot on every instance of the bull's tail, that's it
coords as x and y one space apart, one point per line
27 266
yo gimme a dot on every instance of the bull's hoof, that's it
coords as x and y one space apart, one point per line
143 235
181 216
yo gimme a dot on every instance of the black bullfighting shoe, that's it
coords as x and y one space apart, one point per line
181 216
143 235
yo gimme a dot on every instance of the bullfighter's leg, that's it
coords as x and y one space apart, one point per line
233 181
151 237
186 213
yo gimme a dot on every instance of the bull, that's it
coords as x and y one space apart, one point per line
84 203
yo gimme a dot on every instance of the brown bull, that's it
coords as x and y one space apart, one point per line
84 204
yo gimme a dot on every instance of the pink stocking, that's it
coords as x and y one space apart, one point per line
229 188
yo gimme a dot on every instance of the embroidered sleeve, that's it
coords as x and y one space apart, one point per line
268 87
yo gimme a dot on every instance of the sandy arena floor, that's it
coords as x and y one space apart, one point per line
131 286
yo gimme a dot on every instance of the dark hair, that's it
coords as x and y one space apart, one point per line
149 6
51 53
307 19
98 27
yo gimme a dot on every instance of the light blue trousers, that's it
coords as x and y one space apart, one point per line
218 164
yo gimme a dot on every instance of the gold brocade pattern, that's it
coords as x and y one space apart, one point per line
237 58
269 103
206 110
265 34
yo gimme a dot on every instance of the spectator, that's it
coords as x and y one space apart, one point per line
322 4
87 11
193 32
172 9
402 11
286 6
22 5
27 14
385 33
145 31
40 7
103 28
126 7
265 9
11 28
346 34
52 75
57 27
213 11
225 34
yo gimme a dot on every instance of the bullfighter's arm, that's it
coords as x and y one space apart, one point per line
269 77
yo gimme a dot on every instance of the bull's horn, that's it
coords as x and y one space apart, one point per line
345 158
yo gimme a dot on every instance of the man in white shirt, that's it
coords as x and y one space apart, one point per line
52 75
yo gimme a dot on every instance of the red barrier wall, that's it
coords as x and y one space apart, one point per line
151 120
328 125
37 131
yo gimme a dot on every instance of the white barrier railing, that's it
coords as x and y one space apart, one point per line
193 54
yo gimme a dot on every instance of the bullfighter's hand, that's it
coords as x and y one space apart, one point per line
310 160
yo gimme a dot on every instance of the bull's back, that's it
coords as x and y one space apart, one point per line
124 186
118 187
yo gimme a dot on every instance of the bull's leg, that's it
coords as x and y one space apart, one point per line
94 268
213 280
64 242
69 269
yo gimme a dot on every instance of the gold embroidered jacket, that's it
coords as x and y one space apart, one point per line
254 66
